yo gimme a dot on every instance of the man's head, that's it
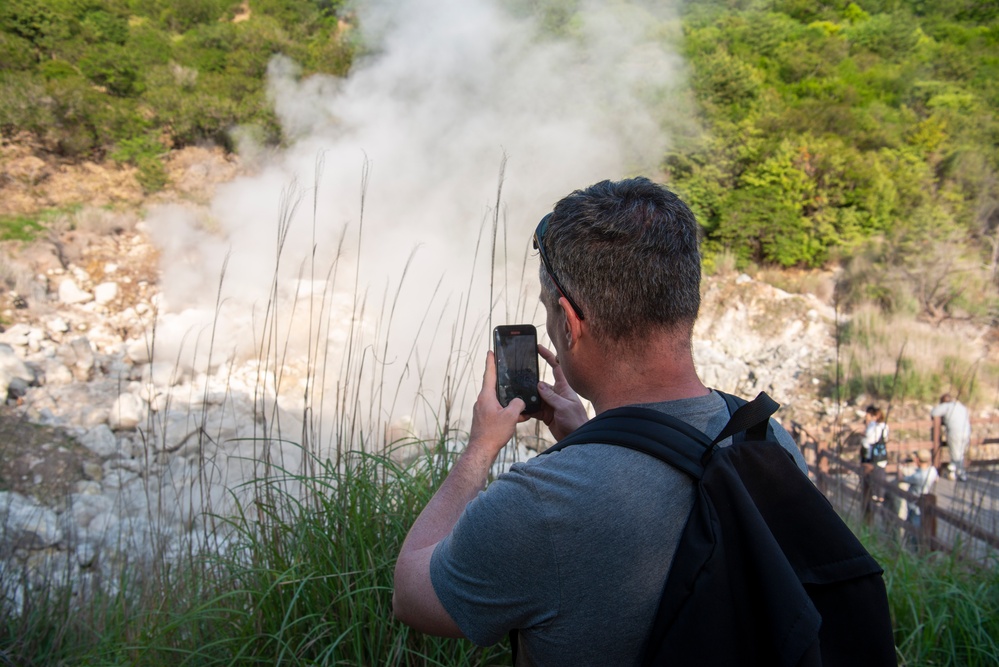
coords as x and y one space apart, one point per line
946 398
625 254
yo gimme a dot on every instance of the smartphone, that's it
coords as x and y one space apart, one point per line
516 350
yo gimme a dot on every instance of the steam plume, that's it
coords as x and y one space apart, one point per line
448 90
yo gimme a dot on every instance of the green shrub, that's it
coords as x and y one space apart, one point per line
16 53
57 69
145 152
891 36
23 104
39 22
113 67
149 45
100 26
201 115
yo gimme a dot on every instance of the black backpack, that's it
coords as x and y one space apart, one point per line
879 450
766 572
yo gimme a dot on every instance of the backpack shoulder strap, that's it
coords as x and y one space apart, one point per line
751 417
682 446
642 429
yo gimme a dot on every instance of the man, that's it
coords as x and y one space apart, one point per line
572 549
953 416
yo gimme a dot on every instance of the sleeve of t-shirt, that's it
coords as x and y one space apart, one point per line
786 441
496 570
939 410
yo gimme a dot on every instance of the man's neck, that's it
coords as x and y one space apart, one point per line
657 373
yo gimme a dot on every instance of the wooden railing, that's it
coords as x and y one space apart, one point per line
853 486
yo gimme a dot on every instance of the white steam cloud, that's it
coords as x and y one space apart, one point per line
448 91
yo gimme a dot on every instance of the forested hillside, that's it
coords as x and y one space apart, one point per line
130 79
862 133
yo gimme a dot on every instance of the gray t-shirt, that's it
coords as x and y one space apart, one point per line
573 548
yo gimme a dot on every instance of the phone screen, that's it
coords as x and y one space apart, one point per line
516 348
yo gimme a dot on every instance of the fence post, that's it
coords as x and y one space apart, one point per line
822 464
866 493
928 521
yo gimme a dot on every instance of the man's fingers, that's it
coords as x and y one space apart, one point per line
550 396
489 376
546 354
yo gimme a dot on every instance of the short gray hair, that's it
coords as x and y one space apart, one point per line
627 252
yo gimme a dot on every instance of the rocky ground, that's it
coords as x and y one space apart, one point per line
104 456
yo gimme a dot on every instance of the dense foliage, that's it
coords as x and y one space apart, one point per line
130 79
830 123
863 133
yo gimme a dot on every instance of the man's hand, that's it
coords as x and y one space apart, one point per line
492 424
563 412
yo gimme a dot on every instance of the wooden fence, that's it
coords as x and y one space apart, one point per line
866 490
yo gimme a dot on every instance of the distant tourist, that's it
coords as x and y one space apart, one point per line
921 481
953 416
874 448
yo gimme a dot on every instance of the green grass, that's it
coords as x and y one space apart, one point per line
944 611
30 227
20 228
305 578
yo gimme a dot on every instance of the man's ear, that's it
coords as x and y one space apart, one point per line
570 320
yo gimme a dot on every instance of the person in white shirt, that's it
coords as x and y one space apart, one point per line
875 433
953 416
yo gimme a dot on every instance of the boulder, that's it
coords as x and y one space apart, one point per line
100 440
137 350
11 368
80 358
70 293
105 293
27 525
127 412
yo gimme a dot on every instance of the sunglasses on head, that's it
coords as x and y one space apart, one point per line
539 236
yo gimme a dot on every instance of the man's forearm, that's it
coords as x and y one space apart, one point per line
414 600
464 481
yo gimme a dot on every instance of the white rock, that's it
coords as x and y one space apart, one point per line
16 335
81 356
26 524
127 412
86 554
100 440
57 373
106 293
11 368
70 294
57 325
137 351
